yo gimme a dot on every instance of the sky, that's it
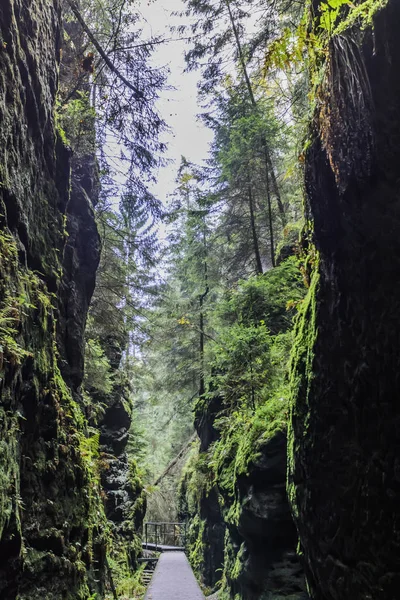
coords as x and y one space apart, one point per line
178 107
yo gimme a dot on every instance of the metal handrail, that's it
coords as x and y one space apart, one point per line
165 523
163 535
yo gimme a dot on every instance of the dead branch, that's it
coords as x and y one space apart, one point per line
175 460
103 54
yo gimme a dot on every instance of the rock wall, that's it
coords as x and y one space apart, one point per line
199 502
125 501
52 532
344 480
260 552
80 261
246 538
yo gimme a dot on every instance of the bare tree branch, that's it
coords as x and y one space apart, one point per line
173 462
103 54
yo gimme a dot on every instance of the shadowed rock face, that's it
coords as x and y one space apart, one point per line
46 502
80 261
125 502
257 551
261 549
345 478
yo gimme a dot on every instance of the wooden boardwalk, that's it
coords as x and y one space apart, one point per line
173 579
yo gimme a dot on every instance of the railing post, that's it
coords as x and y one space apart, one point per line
159 533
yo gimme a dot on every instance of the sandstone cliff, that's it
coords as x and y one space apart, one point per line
344 467
52 524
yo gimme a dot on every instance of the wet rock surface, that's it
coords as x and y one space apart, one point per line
48 546
261 549
344 476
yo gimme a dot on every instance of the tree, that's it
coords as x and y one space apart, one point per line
105 57
219 35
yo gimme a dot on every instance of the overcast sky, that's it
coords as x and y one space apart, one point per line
177 107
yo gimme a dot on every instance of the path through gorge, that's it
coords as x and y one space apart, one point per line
173 579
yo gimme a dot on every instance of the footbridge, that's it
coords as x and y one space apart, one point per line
173 578
164 536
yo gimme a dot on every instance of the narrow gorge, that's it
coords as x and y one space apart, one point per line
198 349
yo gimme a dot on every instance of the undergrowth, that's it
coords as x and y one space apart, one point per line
251 357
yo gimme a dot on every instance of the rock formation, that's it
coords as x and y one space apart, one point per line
125 502
248 538
261 559
344 451
52 523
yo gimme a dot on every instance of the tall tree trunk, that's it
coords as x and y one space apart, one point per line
241 55
202 387
269 168
270 224
270 172
254 232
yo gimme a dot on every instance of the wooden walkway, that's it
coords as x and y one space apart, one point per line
173 579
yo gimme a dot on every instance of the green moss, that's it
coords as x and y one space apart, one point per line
197 547
127 580
135 477
28 331
305 335
37 561
197 479
361 15
290 238
301 371
238 565
76 124
233 568
9 468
